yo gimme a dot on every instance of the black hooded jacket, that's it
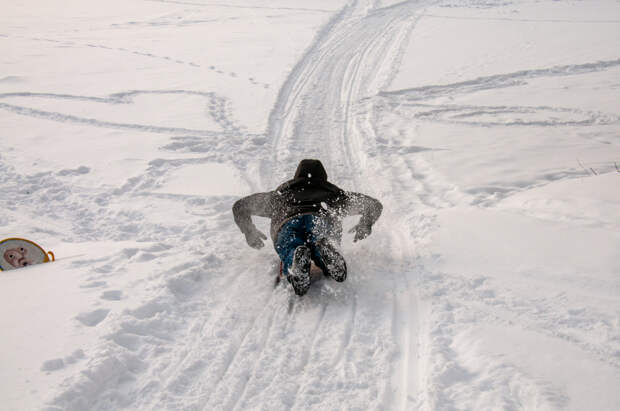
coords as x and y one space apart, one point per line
308 192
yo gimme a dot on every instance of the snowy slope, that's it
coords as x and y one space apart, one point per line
488 129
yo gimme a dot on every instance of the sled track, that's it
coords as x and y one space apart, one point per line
315 116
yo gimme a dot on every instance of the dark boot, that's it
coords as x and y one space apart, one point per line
299 272
333 264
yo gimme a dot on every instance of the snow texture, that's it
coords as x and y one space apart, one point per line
489 129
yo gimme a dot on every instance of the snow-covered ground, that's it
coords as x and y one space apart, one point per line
490 130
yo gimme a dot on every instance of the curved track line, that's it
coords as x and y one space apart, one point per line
501 80
218 109
68 118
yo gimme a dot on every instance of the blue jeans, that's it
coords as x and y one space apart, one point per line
302 230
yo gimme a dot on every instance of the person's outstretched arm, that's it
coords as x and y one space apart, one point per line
370 210
259 204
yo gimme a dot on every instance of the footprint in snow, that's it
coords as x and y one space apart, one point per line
74 172
130 252
146 257
112 295
59 363
53 365
94 284
93 318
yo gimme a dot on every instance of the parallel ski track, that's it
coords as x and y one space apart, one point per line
314 117
232 404
308 351
267 309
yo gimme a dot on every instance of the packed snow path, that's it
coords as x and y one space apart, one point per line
490 281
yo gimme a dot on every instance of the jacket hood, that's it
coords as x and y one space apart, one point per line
311 169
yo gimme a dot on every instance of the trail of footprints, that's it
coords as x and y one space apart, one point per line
213 68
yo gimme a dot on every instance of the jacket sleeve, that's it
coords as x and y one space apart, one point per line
259 204
361 204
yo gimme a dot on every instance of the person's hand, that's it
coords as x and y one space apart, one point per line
255 239
361 231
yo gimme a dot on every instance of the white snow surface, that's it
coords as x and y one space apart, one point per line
489 129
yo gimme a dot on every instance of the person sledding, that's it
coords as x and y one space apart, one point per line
306 223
